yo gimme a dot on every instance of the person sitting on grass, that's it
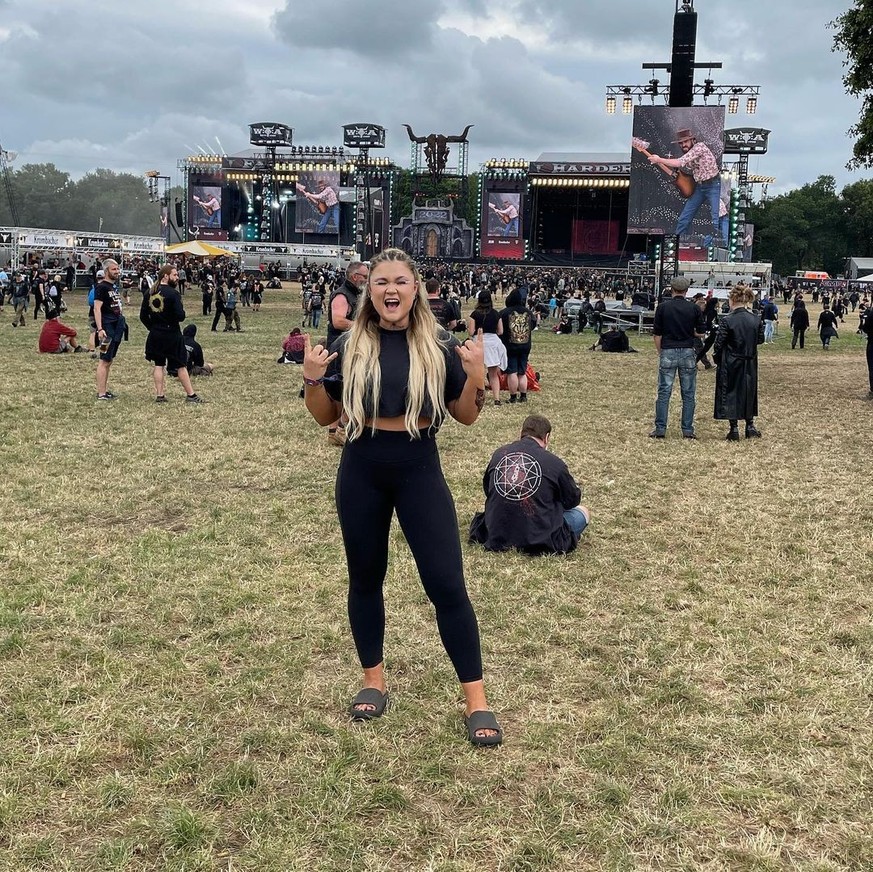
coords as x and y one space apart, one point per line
57 337
293 347
531 500
614 340
196 365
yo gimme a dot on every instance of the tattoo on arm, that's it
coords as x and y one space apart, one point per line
480 399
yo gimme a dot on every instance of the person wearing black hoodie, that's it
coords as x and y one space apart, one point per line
196 364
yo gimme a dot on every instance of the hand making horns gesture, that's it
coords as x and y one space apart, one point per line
472 354
315 360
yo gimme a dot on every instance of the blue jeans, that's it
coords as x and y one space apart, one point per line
576 520
316 318
511 229
214 220
769 330
710 190
671 361
329 217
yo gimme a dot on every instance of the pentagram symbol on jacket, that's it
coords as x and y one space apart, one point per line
517 477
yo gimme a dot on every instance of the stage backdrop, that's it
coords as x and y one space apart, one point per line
596 236
318 208
659 194
204 207
502 221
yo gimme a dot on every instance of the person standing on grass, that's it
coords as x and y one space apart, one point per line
799 323
162 313
518 326
20 297
827 327
398 375
740 332
110 324
866 328
677 322
220 296
484 319
341 310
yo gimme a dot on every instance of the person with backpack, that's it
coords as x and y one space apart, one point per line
518 325
316 306
231 314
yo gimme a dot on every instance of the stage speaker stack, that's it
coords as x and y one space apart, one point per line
682 65
180 219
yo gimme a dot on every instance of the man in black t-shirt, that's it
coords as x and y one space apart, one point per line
531 500
443 310
677 322
162 313
110 324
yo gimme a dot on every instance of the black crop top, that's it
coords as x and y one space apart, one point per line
394 363
486 321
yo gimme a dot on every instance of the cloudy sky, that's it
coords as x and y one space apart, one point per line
133 87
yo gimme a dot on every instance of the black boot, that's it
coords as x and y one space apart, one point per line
733 434
752 432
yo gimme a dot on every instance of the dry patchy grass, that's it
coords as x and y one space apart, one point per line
690 690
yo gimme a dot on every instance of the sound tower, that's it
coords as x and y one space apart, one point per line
180 219
682 65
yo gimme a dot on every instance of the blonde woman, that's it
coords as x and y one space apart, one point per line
740 332
398 374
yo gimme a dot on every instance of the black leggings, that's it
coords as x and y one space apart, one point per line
390 472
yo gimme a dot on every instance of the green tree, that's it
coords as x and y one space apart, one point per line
806 228
42 193
858 209
853 29
118 202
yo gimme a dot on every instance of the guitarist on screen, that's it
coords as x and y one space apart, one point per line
212 208
327 203
509 216
701 162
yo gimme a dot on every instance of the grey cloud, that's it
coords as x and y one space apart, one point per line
120 74
385 29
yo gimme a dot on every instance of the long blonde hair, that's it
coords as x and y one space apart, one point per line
362 374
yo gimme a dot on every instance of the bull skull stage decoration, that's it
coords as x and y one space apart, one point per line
436 149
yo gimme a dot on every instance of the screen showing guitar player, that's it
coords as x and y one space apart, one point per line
326 202
508 217
210 208
696 176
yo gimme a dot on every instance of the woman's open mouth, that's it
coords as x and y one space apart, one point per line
391 305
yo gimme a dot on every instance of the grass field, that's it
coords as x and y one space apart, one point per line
691 689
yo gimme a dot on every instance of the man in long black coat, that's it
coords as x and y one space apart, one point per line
740 332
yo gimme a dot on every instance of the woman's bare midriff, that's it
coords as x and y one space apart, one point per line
396 424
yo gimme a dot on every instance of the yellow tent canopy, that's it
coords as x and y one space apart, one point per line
199 249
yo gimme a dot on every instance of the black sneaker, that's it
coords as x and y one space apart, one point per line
78 349
522 398
512 398
110 395
160 399
657 434
688 436
194 398
106 396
